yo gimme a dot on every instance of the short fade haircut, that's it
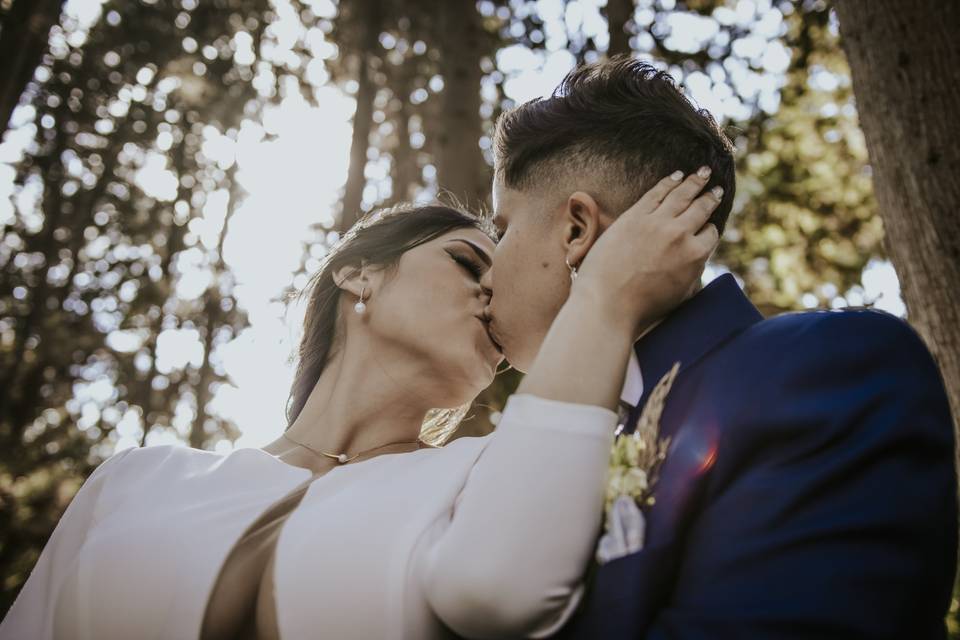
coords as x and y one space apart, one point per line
613 128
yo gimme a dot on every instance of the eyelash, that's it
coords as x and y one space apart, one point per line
469 265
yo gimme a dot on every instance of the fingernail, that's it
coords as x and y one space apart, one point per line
717 192
704 172
676 176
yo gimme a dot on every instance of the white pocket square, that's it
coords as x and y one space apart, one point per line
627 528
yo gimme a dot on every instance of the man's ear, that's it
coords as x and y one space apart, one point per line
583 222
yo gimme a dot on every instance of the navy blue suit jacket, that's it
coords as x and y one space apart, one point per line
809 491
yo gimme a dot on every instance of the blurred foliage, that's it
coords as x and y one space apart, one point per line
415 67
91 259
807 221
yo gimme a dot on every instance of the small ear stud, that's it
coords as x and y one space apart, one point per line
360 308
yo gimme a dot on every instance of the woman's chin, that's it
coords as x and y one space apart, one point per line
485 373
491 354
470 383
485 378
492 365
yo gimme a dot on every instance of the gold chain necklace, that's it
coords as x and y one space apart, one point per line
342 457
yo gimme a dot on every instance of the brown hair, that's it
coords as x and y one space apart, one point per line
379 238
621 122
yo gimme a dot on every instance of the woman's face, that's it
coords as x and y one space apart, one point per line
430 310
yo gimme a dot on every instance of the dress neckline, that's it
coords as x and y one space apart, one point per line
311 474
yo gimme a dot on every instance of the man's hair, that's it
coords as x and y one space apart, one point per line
613 129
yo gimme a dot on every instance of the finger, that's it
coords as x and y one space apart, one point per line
652 198
680 198
698 213
707 238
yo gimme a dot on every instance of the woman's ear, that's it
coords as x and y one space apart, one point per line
583 222
352 278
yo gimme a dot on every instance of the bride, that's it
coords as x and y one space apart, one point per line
350 525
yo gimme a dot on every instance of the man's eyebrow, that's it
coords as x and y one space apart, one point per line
477 250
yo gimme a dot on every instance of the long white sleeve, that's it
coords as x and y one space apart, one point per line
31 615
512 561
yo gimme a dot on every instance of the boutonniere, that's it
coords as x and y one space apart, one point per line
635 461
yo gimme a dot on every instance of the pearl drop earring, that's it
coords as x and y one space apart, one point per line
360 307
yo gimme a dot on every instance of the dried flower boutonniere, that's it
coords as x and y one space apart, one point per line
635 462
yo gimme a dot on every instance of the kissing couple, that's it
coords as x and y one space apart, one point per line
803 481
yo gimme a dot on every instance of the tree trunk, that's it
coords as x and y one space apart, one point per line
461 168
17 402
404 168
363 117
23 39
619 14
905 65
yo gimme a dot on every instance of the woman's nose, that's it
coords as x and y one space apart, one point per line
486 297
486 281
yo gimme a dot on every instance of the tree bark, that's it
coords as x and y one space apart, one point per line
23 39
905 65
404 170
461 168
619 14
363 116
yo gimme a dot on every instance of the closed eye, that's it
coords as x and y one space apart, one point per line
475 269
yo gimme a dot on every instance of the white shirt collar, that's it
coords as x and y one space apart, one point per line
633 383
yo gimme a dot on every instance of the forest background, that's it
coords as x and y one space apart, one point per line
172 170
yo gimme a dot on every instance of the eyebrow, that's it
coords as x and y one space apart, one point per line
477 250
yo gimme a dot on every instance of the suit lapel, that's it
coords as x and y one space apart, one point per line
699 325
628 591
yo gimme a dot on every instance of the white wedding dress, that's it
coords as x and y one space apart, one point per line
486 536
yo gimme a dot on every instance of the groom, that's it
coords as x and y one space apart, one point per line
809 491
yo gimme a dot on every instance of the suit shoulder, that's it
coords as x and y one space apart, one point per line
824 319
822 374
841 330
794 350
